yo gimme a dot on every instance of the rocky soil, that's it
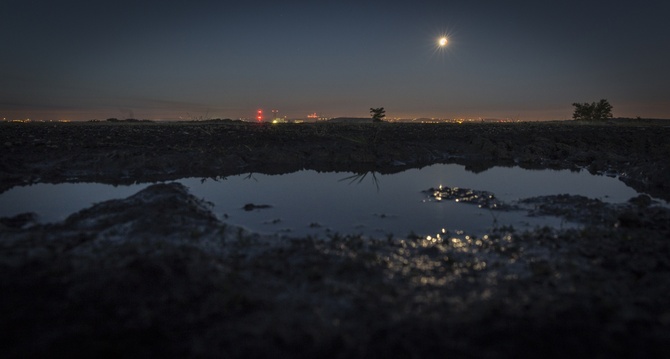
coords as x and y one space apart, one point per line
157 274
130 152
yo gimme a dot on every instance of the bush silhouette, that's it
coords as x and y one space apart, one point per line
600 111
377 114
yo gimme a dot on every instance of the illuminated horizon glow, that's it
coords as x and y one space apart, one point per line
563 112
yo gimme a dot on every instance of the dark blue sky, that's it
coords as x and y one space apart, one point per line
191 59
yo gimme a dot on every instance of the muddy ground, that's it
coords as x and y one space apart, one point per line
158 274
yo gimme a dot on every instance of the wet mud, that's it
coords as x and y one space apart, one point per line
157 274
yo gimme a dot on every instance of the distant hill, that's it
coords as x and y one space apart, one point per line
214 120
351 120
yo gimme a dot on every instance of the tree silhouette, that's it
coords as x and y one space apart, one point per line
592 112
377 114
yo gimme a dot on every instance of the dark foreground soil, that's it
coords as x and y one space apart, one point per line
157 274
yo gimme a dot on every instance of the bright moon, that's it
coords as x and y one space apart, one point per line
443 41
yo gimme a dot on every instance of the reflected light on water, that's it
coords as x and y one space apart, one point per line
322 204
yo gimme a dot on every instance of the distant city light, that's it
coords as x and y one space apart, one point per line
259 116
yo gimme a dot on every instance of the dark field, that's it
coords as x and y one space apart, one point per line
157 274
130 152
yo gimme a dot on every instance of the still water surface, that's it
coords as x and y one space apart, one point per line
313 203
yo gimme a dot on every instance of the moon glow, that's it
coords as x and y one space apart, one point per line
443 41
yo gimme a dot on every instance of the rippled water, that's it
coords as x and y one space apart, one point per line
313 203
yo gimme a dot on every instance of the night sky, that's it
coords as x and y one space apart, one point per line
526 60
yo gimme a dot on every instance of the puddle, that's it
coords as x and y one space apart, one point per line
313 203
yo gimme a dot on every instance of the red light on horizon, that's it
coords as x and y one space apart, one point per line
260 115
